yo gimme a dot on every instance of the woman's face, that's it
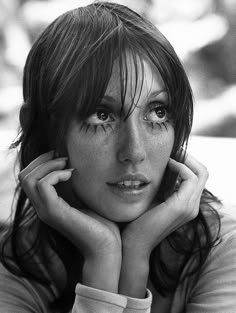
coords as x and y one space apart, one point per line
119 163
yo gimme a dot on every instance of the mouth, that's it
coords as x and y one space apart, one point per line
130 184
130 187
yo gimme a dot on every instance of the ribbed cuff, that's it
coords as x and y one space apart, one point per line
135 305
89 300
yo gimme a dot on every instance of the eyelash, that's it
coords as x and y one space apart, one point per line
154 106
160 125
95 127
107 125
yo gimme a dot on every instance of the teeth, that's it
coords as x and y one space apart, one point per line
130 183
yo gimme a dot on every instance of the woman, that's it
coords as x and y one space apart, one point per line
109 205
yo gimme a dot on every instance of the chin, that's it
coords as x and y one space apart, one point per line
126 216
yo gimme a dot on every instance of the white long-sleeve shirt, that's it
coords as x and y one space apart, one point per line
214 291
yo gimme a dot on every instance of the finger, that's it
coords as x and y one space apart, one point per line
180 168
198 168
73 223
189 183
42 170
39 160
45 186
30 182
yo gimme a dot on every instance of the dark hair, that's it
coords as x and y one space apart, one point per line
66 75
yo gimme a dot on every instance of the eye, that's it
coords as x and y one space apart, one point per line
157 113
100 117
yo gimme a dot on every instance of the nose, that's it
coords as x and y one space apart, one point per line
131 145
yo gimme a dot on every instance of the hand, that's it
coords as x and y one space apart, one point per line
143 234
96 238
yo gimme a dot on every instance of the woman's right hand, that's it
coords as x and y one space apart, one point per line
97 238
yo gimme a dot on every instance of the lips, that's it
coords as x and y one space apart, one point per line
131 184
130 188
130 181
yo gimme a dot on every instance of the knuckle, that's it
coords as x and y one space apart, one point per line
181 166
40 184
194 179
20 177
206 173
27 182
204 168
194 213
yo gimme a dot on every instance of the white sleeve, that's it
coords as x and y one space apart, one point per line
135 305
90 300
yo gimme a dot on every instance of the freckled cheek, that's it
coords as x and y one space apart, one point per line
86 155
159 149
163 140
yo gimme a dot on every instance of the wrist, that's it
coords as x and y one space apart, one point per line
102 273
134 275
133 247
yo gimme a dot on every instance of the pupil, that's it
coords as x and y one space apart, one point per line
160 113
102 116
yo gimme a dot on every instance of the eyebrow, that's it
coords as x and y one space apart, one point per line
156 93
109 99
151 95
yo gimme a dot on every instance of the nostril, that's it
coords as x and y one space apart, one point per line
131 154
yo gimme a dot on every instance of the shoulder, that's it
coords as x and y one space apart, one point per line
227 219
226 245
220 219
18 294
222 227
221 261
215 288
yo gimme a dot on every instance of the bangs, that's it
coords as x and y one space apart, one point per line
96 39
123 54
98 71
124 49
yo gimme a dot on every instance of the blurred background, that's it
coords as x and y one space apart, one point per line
203 33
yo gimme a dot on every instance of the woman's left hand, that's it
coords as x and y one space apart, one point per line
142 235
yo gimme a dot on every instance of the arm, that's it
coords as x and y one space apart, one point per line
141 236
97 239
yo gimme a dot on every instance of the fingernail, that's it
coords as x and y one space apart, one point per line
70 169
62 159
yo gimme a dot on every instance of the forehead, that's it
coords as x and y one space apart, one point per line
134 76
